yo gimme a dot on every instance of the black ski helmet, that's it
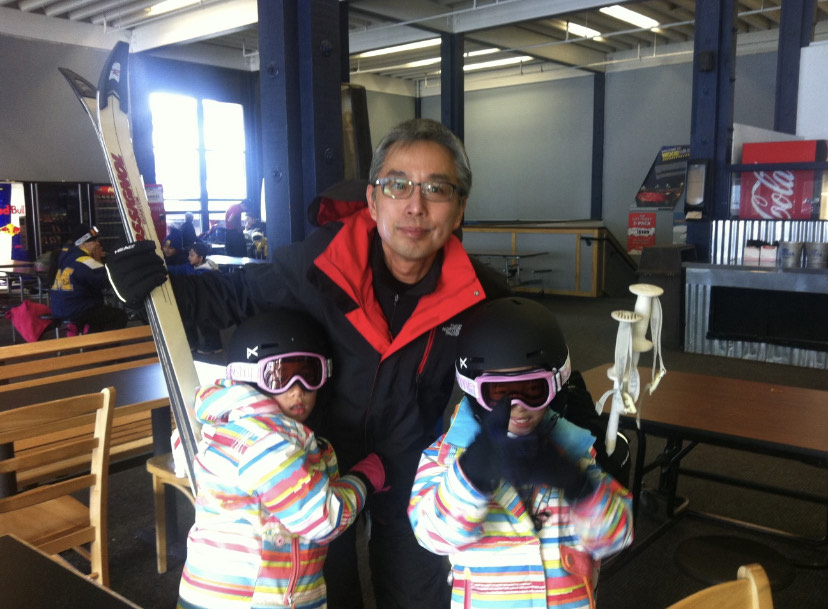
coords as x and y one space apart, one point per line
274 333
510 333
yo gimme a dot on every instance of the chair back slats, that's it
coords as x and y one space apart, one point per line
750 590
45 456
47 417
48 515
47 492
28 364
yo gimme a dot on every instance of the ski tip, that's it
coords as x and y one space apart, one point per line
113 79
81 86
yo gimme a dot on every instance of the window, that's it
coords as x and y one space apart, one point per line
200 156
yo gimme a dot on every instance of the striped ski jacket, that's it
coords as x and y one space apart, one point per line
514 554
270 499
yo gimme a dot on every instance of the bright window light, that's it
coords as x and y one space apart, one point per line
412 46
625 14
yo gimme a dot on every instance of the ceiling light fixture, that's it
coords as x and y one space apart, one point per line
168 6
580 30
497 63
625 14
411 46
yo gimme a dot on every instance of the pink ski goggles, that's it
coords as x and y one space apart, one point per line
534 389
276 374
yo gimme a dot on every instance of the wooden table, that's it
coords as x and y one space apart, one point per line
31 578
132 385
766 418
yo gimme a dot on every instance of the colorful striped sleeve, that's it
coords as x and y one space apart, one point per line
446 511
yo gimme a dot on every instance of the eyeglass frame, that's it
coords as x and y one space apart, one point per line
254 372
382 182
555 379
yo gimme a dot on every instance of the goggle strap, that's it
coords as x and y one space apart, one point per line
242 371
467 385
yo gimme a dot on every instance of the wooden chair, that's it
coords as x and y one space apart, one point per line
750 590
47 515
163 473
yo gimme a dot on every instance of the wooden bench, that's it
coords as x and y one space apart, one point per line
43 364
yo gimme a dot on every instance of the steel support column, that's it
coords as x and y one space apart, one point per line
596 209
452 106
300 69
795 32
711 127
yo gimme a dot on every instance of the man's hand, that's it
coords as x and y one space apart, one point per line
134 270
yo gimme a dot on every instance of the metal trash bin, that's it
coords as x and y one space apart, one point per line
661 265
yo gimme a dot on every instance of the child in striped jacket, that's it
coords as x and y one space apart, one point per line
270 496
511 493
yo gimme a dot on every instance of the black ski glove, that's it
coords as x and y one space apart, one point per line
482 460
555 469
134 270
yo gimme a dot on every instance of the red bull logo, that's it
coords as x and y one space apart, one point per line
9 229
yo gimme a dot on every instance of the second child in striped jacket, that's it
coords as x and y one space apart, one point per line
511 493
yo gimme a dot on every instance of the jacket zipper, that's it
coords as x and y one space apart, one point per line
294 555
427 352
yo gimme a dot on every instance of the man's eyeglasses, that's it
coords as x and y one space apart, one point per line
400 188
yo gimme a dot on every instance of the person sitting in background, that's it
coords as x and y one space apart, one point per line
77 293
198 262
252 222
512 493
173 248
270 495
188 231
234 244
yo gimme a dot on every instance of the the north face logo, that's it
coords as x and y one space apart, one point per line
452 330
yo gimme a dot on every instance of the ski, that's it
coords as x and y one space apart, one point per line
107 108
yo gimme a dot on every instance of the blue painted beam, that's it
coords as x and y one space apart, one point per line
711 126
452 104
301 135
795 32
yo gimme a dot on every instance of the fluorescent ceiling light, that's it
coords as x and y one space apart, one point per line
580 30
412 46
496 63
168 5
625 14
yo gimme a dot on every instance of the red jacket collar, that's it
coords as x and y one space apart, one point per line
346 262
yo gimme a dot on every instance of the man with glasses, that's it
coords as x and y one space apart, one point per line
389 284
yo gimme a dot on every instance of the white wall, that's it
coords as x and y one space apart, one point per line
45 134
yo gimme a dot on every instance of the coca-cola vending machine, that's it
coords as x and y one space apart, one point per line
781 194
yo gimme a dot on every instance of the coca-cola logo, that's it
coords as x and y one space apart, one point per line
772 194
125 186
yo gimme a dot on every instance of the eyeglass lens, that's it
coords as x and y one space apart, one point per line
400 188
533 392
279 372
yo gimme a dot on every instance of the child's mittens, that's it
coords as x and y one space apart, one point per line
371 471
